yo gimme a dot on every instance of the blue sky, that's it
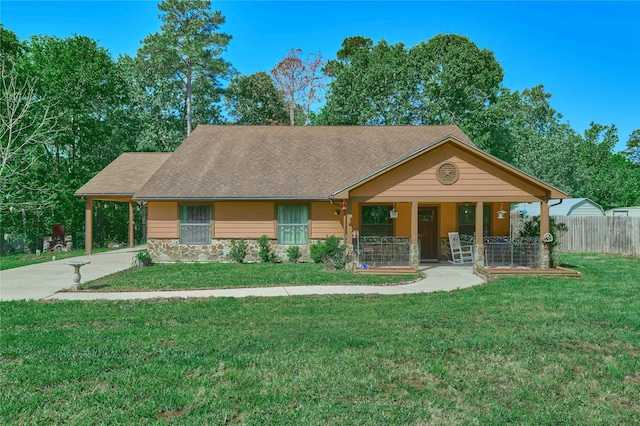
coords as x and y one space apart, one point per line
586 54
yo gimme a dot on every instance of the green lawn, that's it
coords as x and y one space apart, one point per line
227 275
534 350
18 260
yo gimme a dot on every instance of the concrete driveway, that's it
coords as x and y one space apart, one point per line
46 280
43 280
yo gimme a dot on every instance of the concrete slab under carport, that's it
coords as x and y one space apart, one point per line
42 280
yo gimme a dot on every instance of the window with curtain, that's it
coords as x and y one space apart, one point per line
293 224
195 225
467 220
376 221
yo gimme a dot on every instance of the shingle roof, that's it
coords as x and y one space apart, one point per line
125 175
284 162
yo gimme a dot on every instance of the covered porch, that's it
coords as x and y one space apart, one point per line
410 233
449 186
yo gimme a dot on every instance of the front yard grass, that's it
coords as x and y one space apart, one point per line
531 350
18 260
191 276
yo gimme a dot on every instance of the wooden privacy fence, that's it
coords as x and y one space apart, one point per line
601 234
595 234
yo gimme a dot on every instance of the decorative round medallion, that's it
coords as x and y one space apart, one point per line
447 173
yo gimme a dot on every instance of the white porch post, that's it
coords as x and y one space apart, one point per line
479 237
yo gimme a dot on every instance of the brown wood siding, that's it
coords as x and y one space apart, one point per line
244 219
500 227
162 220
477 178
448 219
324 221
402 224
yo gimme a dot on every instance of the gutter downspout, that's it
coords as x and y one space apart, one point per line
557 204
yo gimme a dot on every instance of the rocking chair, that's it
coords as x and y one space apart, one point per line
460 254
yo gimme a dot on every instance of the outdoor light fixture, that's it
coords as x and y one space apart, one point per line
393 213
501 213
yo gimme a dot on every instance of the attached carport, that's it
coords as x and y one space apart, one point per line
119 182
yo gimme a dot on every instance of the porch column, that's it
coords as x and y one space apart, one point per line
88 226
131 227
349 229
414 256
545 228
479 237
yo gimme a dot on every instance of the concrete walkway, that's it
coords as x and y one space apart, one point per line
44 282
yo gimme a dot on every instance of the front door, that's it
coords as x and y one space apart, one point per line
428 230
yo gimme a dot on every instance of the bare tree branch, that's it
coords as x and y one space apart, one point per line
24 129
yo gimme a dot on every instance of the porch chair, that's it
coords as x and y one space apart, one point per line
460 254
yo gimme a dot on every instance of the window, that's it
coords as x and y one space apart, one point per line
195 225
376 221
467 220
293 224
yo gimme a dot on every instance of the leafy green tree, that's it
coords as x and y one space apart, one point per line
609 179
149 117
372 85
633 147
254 99
78 80
454 79
10 46
25 127
443 81
187 54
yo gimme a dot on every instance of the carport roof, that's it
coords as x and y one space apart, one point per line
124 176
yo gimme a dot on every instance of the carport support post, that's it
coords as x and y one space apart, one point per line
478 258
88 226
545 228
131 224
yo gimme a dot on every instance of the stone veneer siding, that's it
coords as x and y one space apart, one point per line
478 257
170 250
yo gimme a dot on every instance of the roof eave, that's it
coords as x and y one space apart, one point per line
230 198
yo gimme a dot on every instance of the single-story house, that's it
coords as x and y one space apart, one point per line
390 192
569 207
624 211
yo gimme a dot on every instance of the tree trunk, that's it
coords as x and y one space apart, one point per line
292 110
188 78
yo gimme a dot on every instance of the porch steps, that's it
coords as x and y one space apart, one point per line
387 271
557 272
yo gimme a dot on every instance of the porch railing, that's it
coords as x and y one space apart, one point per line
512 252
383 251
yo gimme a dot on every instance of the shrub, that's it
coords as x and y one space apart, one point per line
293 252
329 251
238 250
265 249
532 229
142 258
